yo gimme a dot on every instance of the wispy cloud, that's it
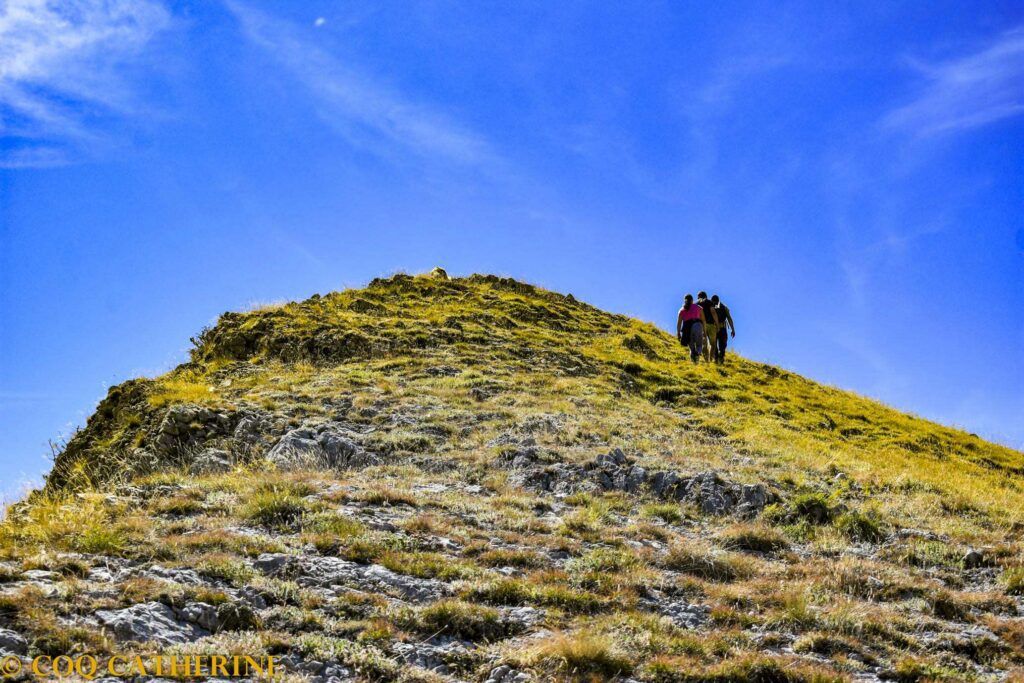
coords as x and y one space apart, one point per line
735 71
361 108
974 90
61 72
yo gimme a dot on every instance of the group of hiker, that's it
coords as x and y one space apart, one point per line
705 326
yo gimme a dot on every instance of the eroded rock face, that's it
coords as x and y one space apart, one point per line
211 461
329 572
297 449
559 479
150 622
200 614
409 587
614 471
717 496
208 440
326 448
250 429
184 425
275 564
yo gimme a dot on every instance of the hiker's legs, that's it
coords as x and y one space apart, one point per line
696 341
711 332
721 343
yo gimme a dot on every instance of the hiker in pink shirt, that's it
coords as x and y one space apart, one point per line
690 327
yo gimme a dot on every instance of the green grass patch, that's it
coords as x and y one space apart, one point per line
860 527
669 513
1013 581
276 506
457 618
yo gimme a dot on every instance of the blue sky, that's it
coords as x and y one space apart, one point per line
848 176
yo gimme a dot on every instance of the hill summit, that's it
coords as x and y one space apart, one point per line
475 479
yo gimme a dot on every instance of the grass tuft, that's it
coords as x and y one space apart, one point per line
705 563
584 656
459 619
276 506
860 527
744 669
752 538
1013 581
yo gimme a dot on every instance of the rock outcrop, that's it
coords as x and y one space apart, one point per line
614 471
150 622
323 447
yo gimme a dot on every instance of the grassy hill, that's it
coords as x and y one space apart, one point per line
477 479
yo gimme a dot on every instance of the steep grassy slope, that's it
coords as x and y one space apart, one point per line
470 413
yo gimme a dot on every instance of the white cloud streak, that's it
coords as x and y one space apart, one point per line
61 71
975 90
367 113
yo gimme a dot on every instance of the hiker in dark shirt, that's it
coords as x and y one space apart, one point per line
724 318
710 324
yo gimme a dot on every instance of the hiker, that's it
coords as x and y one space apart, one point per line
710 324
690 327
724 321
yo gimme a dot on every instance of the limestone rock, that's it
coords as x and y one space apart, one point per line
186 424
304 448
250 429
330 572
274 564
973 559
506 674
150 622
522 618
615 471
12 643
409 587
716 496
423 655
684 614
200 614
186 577
211 461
